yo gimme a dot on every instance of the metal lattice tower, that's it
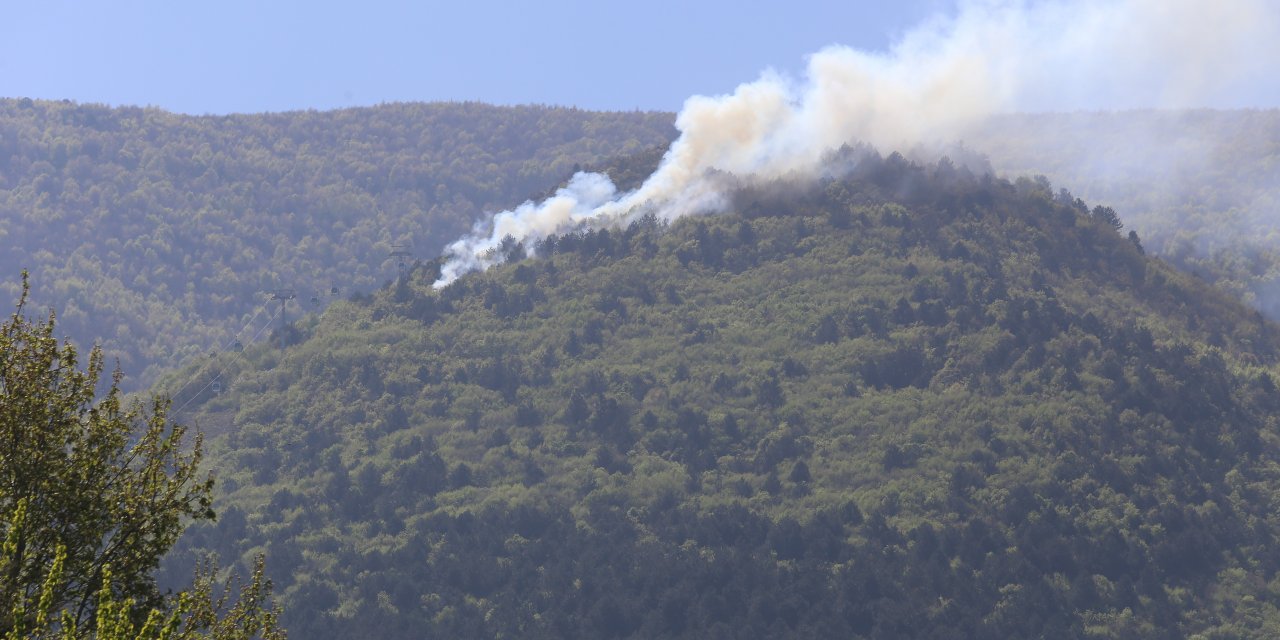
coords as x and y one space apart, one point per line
284 296
402 255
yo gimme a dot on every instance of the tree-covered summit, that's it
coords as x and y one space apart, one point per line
900 401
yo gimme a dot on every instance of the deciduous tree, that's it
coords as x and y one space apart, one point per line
93 492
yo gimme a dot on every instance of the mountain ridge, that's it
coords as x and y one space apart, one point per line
190 218
154 234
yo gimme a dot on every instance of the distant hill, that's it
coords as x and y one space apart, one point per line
156 233
906 402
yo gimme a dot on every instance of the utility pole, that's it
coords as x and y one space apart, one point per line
402 254
283 295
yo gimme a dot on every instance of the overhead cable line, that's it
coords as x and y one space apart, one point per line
234 339
238 353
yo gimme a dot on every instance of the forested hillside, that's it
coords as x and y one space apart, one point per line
903 402
1202 187
156 233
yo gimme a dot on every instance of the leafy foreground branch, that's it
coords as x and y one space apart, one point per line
92 494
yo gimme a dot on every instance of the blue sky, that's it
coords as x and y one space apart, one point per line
250 56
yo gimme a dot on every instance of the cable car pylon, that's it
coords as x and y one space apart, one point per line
284 296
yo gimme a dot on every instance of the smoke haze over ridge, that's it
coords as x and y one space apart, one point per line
938 81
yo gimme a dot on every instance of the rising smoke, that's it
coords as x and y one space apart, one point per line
941 79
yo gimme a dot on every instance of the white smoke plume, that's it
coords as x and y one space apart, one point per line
937 81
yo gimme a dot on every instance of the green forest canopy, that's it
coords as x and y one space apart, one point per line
906 402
